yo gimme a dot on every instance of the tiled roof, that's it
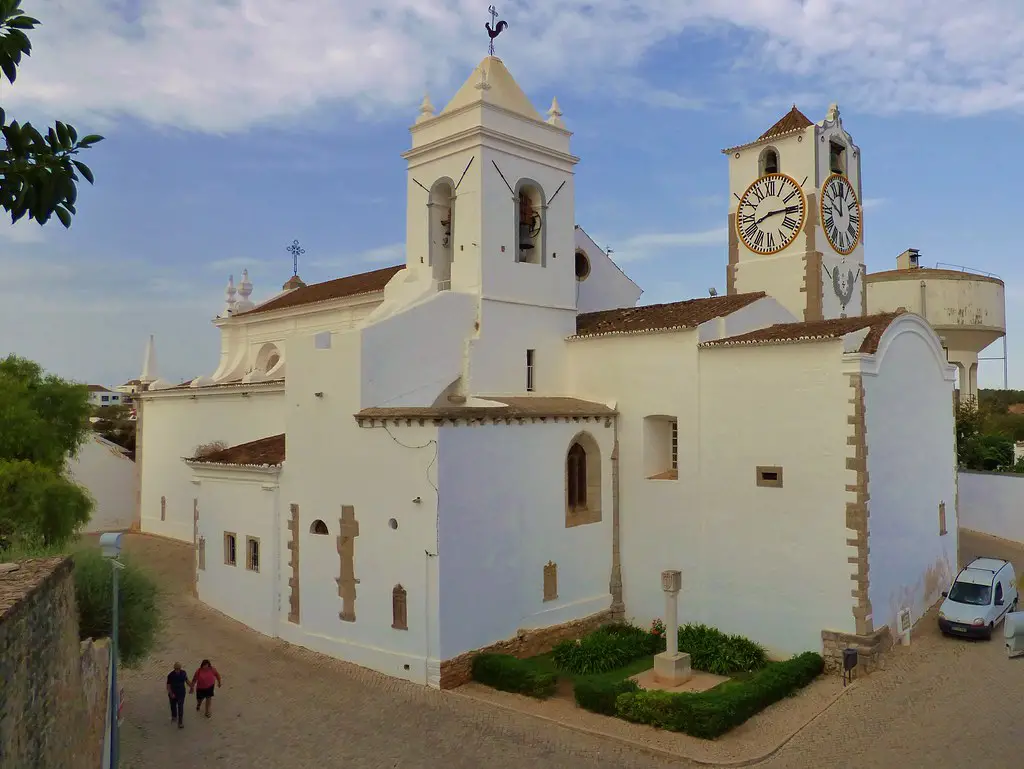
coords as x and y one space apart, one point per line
515 407
794 120
815 330
262 452
99 389
659 317
351 285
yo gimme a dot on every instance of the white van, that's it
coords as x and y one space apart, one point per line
980 597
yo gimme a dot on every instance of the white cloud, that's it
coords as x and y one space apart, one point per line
872 203
645 245
24 231
232 64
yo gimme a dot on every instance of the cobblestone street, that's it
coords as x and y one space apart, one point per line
940 701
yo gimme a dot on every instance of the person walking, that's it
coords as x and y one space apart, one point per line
203 682
177 680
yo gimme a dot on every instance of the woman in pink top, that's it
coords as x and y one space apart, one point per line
203 680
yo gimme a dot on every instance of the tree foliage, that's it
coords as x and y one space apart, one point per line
139 619
39 173
115 424
978 445
43 420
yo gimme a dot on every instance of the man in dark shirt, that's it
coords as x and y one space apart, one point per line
177 680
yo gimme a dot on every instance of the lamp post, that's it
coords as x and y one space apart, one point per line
110 547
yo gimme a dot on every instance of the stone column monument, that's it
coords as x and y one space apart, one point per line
671 667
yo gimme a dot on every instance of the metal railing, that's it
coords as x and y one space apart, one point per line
961 268
444 285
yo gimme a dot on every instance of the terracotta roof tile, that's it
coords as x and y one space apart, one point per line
514 407
350 285
793 120
815 330
658 317
265 451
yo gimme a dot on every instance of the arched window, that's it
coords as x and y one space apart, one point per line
267 358
836 157
441 207
582 481
530 209
768 162
399 608
576 477
318 527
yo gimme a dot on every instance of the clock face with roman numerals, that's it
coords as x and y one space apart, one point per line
840 214
771 213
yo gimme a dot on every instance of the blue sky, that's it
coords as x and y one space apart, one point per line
236 126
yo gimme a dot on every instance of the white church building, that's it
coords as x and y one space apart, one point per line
492 440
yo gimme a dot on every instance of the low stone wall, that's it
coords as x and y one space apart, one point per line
53 695
527 643
871 649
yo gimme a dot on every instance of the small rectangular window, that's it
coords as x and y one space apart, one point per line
770 477
942 519
836 158
104 398
529 370
229 549
252 553
675 445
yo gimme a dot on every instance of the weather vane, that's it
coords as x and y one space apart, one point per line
493 30
296 251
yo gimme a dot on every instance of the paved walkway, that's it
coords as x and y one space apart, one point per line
942 701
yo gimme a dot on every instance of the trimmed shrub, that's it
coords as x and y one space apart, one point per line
138 618
509 674
712 713
598 695
716 652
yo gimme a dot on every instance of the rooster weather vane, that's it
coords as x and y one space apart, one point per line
496 29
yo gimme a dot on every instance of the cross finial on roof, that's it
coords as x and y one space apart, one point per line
296 251
494 29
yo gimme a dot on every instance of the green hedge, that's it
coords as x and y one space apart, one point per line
712 713
599 695
604 649
713 651
509 674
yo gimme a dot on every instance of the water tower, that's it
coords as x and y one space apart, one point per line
967 309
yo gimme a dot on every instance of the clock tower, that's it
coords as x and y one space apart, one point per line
795 217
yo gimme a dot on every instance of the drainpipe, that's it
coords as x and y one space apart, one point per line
924 301
618 607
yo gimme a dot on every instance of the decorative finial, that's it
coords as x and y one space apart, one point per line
493 30
426 109
833 113
555 114
296 251
229 296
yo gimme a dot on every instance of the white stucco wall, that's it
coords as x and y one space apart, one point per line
911 470
497 357
245 504
109 475
175 423
993 503
607 286
409 359
770 563
384 473
502 518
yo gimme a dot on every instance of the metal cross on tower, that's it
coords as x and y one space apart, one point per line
494 29
296 251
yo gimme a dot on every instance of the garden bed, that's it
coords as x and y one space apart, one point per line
600 668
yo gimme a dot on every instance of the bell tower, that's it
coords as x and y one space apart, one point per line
795 218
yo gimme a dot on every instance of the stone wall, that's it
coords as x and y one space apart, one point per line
53 696
527 643
871 649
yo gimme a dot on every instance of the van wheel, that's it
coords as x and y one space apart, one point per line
1013 606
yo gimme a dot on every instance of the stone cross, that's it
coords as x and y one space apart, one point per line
346 549
671 668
